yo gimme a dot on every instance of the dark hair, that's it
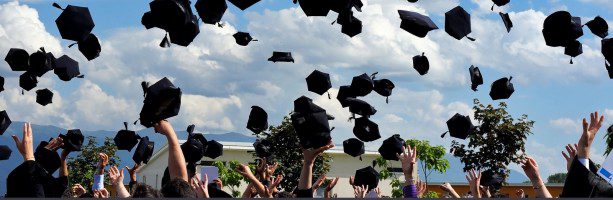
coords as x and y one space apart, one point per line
284 194
178 188
142 190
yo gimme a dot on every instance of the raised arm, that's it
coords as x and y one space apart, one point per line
589 133
116 179
248 175
25 145
64 164
176 161
132 172
474 180
531 169
306 174
99 175
448 188
572 152
408 158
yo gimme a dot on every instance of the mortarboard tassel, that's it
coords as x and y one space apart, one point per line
70 46
126 125
445 133
329 95
492 7
333 22
254 40
471 39
145 86
135 122
571 60
81 76
57 6
165 42
332 128
387 100
21 91
360 158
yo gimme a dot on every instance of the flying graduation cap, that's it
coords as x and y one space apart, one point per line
48 159
459 126
176 18
18 59
143 151
214 149
353 147
457 23
27 81
362 85
73 140
314 7
258 120
5 121
263 148
90 47
421 64
243 4
607 51
5 152
360 107
344 92
243 38
311 123
353 27
391 147
560 29
319 82
502 89
194 147
415 23
1 83
162 101
366 176
281 57
44 97
476 78
506 20
211 11
573 49
75 23
384 88
500 3
41 62
598 26
66 68
126 139
366 130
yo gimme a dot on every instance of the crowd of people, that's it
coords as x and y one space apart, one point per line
29 180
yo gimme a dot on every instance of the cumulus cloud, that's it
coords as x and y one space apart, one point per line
566 126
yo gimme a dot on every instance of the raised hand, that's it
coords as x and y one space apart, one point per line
531 169
101 193
520 193
360 191
421 188
589 133
103 160
408 158
244 170
78 190
25 145
448 188
319 182
351 180
485 191
55 144
378 192
309 155
274 183
132 171
200 186
115 176
163 127
331 185
474 180
572 152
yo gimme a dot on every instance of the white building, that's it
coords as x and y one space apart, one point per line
342 166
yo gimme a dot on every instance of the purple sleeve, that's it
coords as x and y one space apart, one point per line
409 191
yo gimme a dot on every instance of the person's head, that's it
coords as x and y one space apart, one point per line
178 188
284 194
142 190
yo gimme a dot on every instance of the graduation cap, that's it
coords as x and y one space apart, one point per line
352 28
281 57
345 92
90 47
304 104
391 147
5 152
243 4
47 159
214 149
366 176
27 81
491 179
186 34
500 3
598 26
75 23
384 88
5 121
412 1
573 49
366 130
44 97
459 126
263 148
560 29
314 7
73 140
258 120
457 23
421 64
607 52
193 149
1 83
143 151
162 101
319 82
343 5
311 123
211 11
506 20
26 180
502 89
41 62
243 38
126 139
353 147
18 59
415 23
66 68
169 14
476 78
360 107
362 85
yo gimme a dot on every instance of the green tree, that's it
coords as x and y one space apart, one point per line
430 158
557 178
384 173
499 140
83 166
229 177
430 195
609 140
288 154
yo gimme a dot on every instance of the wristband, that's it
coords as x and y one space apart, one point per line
98 182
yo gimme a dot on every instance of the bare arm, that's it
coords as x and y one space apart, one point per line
247 174
63 164
448 188
306 174
116 179
176 161
532 171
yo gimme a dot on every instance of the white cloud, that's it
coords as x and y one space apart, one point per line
566 126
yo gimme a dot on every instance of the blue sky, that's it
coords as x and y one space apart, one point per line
222 80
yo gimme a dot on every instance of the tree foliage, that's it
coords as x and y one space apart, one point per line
499 141
430 158
384 173
83 166
287 152
229 177
609 141
557 178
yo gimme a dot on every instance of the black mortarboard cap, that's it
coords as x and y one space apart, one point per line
41 62
344 92
5 121
169 14
281 57
162 101
243 4
344 17
366 130
314 7
211 11
353 147
318 82
66 68
457 23
421 64
415 23
73 140
1 83
362 85
412 1
502 89
148 20
243 38
5 152
17 59
186 34
304 104
598 26
75 23
126 139
360 107
47 159
194 147
476 78
507 21
491 179
573 49
143 151
311 123
90 47
352 28
460 126
391 147
344 5
214 149
263 148
44 97
384 87
500 3
606 49
560 29
366 176
27 81
258 120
